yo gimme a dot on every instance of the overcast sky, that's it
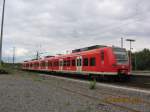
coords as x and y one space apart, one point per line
58 25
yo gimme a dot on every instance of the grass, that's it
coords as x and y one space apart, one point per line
16 70
9 68
92 84
5 70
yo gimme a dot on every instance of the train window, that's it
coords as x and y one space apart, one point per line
49 63
79 62
102 55
31 65
85 62
68 62
121 55
40 64
56 63
34 64
92 61
46 63
73 62
43 64
64 63
37 64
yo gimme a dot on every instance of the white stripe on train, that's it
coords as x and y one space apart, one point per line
79 72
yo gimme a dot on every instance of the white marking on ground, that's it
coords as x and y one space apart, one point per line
103 84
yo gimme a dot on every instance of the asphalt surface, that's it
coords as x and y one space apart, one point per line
25 93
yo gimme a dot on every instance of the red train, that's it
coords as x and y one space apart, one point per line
94 60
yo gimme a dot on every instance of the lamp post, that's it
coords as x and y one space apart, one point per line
14 50
135 61
130 61
1 38
121 42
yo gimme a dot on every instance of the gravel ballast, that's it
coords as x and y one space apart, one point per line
24 93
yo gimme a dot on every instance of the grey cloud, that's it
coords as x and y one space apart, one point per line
68 24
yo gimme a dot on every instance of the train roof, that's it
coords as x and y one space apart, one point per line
88 48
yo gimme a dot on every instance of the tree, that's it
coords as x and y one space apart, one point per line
141 60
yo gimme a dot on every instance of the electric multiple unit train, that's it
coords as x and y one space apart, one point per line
94 60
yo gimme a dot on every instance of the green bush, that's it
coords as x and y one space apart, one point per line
92 84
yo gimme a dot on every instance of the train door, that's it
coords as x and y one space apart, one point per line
61 64
79 63
46 64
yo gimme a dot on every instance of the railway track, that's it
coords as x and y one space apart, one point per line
142 84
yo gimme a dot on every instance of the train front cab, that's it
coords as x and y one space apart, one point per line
121 62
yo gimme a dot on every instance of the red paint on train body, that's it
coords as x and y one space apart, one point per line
101 61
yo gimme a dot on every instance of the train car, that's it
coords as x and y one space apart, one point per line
94 60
